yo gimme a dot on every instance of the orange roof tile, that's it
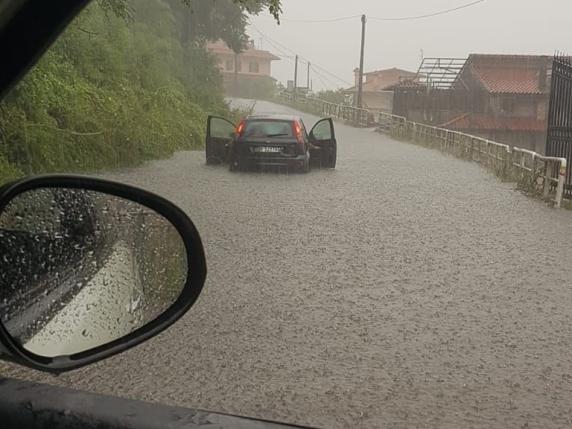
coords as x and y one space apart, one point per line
508 80
510 74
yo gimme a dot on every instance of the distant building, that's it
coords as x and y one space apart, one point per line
500 97
514 90
244 72
377 87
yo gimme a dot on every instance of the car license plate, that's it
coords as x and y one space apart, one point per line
267 149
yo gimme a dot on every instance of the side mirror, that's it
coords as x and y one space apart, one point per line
90 268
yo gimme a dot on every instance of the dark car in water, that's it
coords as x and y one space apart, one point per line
271 141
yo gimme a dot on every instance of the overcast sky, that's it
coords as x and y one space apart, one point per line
494 26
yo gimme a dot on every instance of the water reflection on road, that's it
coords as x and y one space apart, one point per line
404 288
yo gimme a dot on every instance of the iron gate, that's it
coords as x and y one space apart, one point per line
559 139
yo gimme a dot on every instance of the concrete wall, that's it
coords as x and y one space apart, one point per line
522 106
381 100
226 65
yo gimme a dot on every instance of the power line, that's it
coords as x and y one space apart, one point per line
401 18
323 77
326 81
280 47
274 43
322 80
301 57
320 76
291 59
428 15
343 18
332 74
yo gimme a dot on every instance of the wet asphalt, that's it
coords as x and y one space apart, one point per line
406 288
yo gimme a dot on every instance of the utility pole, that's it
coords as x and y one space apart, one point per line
295 77
236 74
360 82
308 78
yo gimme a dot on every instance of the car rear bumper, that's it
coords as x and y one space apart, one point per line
273 161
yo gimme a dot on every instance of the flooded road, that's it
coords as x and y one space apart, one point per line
404 289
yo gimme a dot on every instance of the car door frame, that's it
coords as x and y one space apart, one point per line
33 405
324 152
49 20
217 148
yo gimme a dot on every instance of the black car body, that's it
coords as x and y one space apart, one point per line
271 141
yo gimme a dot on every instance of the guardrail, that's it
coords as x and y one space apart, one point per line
542 174
550 170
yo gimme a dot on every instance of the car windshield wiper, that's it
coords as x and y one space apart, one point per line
278 135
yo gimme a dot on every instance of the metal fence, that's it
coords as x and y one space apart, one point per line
559 138
543 174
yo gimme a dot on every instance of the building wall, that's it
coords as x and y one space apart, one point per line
381 100
442 106
227 61
222 62
383 78
387 75
251 61
522 106
437 106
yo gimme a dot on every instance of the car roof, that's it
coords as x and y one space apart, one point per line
273 117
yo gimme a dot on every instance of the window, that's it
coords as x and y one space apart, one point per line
268 128
229 65
221 129
238 66
322 130
507 105
253 67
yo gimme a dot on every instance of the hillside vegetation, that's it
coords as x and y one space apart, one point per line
128 81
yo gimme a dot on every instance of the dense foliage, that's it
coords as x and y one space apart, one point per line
337 96
128 81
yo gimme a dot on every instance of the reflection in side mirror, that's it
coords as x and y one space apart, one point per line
81 269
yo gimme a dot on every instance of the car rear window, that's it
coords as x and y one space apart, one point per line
268 128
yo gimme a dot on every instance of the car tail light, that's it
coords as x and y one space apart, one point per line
298 132
240 128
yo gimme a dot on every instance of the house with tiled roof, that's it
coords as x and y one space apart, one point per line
513 93
378 87
246 72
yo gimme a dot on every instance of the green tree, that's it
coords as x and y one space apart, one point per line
207 19
332 96
128 81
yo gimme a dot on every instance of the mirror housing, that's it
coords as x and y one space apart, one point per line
13 350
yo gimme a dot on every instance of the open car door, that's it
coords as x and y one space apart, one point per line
220 133
323 138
